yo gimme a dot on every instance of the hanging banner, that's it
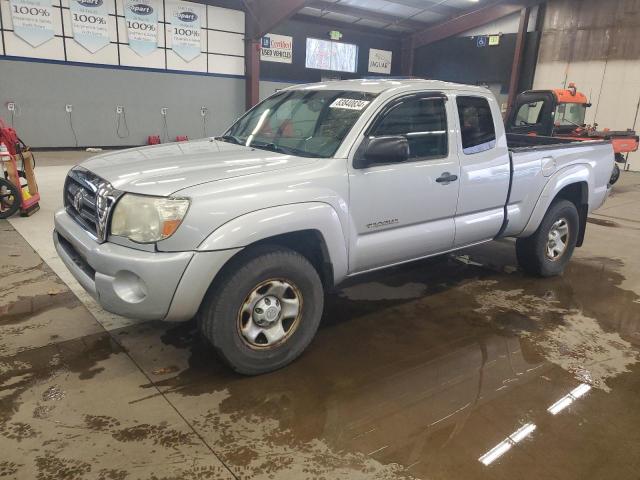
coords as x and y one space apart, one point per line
32 20
276 48
185 29
380 61
89 23
142 25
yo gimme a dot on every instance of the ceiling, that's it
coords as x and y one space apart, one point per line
390 15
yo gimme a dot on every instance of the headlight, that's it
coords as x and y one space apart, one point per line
147 219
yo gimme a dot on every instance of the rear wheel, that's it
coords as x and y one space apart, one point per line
547 252
264 310
615 175
9 199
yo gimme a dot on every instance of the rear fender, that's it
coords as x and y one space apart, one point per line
563 178
270 222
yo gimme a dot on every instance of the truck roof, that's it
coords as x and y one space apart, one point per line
379 85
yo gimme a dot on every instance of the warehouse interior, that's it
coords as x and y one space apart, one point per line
460 365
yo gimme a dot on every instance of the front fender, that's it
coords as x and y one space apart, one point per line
270 222
580 173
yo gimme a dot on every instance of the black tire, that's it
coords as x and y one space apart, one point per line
532 251
9 199
220 316
615 175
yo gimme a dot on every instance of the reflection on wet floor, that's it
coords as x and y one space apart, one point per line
454 367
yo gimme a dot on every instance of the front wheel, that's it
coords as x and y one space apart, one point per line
547 252
264 310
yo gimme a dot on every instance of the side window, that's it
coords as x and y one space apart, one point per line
476 124
423 121
529 114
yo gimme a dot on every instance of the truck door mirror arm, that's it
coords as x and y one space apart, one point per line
381 150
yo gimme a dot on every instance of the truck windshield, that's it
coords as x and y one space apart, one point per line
570 114
309 123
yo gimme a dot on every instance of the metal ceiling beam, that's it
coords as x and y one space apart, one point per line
365 14
266 15
470 20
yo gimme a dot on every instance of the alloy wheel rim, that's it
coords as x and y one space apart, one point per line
270 314
558 239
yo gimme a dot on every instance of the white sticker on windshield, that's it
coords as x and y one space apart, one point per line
349 103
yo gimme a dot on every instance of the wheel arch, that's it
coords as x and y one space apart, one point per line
313 229
578 194
573 184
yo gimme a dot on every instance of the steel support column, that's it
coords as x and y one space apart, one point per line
516 68
260 18
252 72
406 57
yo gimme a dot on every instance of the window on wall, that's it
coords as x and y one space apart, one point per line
476 124
423 121
328 55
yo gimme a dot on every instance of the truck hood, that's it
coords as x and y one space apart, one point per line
165 169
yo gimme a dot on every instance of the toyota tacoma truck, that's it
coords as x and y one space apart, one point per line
317 184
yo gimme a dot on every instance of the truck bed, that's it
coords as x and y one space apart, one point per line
535 161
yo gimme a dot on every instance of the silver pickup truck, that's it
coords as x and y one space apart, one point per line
316 184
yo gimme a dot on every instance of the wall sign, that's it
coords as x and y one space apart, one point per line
380 61
482 41
185 29
494 40
141 17
89 23
32 20
276 48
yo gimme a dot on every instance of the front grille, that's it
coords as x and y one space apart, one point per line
88 200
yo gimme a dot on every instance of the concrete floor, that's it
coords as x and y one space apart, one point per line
416 372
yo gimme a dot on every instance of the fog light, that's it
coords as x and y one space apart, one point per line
129 287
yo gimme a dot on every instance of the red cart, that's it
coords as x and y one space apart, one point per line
13 195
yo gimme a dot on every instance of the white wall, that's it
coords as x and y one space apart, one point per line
222 41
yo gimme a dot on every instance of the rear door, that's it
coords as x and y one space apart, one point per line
485 169
402 211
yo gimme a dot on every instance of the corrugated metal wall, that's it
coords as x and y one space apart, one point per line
596 44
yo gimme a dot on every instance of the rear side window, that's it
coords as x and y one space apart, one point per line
529 114
423 121
476 124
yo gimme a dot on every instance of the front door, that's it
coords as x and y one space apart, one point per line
402 211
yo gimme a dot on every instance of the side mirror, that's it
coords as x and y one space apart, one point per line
379 150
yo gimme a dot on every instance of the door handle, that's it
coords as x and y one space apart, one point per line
446 178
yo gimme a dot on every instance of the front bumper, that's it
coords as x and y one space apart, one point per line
135 283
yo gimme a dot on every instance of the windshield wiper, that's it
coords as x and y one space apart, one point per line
230 139
281 149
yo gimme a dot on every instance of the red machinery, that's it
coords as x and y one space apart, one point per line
13 195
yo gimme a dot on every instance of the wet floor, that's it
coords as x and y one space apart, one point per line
455 367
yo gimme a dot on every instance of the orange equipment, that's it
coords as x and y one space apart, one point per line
561 113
